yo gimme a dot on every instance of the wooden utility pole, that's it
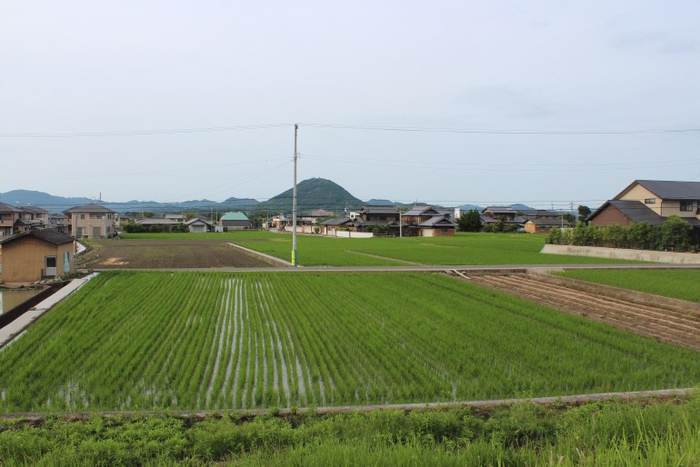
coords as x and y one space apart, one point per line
294 201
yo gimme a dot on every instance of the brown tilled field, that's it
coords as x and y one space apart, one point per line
665 319
165 254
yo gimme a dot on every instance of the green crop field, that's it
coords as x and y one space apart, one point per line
215 340
674 283
462 249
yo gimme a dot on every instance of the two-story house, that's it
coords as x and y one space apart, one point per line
651 201
9 216
91 221
429 221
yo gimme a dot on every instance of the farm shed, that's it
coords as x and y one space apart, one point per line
198 225
235 221
35 255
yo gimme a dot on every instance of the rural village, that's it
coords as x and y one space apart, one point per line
350 234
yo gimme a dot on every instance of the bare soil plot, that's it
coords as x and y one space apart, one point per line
665 319
165 254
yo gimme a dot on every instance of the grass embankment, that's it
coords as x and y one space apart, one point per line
462 249
674 283
602 433
213 340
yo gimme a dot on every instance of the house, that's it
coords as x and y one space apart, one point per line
198 225
321 213
651 201
538 225
428 221
35 217
157 225
35 255
91 221
235 221
332 226
179 218
503 213
9 215
59 222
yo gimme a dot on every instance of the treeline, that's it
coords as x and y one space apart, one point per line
674 234
133 227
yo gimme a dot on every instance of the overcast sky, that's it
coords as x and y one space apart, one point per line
106 77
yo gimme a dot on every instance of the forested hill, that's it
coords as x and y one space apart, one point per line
314 193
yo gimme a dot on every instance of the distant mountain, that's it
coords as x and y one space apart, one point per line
43 200
521 207
314 193
380 202
241 204
470 207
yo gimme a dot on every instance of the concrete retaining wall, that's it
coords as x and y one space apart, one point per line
623 253
271 260
349 234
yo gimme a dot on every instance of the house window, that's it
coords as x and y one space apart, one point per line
82 216
650 201
686 205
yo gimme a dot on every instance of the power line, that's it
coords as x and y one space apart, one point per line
341 126
501 167
171 131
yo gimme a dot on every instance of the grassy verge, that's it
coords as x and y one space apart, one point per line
674 283
637 433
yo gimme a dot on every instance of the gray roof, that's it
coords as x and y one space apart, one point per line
337 221
153 221
499 209
92 207
441 221
4 207
379 209
35 209
198 219
47 235
668 189
636 211
420 210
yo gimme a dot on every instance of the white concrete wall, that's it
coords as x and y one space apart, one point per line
623 253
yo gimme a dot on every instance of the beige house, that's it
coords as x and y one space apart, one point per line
9 216
91 221
651 201
35 255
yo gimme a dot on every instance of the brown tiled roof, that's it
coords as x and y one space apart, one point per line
47 235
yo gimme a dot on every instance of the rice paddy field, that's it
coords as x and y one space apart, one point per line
186 340
462 249
675 283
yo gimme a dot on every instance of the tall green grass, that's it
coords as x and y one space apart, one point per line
638 433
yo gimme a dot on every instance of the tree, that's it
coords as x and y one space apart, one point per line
641 235
615 235
569 218
583 212
469 221
675 233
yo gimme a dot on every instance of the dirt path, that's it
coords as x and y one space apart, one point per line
665 319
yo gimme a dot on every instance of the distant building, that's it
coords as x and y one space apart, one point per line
198 225
35 255
91 221
235 221
428 221
9 215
